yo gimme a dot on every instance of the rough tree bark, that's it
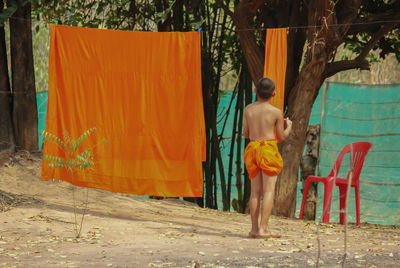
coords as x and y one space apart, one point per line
6 127
25 117
308 166
242 17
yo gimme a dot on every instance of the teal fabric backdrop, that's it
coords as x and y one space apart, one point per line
41 101
370 113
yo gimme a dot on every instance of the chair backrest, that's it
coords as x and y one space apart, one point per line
358 151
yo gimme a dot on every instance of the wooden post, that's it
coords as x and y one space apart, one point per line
324 90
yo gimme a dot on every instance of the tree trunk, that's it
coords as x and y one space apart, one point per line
6 127
242 17
248 99
308 167
300 105
239 162
133 10
177 18
25 116
164 25
206 76
233 139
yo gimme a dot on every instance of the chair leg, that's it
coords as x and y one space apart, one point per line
328 189
342 197
303 202
357 190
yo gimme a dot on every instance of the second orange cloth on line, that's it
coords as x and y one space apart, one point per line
275 63
263 156
142 92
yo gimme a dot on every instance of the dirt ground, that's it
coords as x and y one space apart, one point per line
37 229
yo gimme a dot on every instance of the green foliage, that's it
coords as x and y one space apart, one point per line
72 160
117 14
7 13
41 44
387 45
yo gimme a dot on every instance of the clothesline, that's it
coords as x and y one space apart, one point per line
288 27
329 25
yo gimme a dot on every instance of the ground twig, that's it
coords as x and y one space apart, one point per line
346 205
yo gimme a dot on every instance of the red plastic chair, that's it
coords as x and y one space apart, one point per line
359 150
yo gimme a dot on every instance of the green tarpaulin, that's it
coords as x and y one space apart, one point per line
370 113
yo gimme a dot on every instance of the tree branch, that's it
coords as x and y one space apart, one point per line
359 61
343 65
346 13
295 44
243 19
368 23
376 37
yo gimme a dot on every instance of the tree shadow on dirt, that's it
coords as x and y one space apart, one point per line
10 200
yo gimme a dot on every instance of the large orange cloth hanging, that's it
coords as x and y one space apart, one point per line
142 93
275 63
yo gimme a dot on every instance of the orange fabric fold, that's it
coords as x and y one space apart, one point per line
264 156
275 63
142 92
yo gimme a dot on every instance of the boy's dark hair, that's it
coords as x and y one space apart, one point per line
265 88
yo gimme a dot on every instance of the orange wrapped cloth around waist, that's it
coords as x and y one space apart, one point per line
264 156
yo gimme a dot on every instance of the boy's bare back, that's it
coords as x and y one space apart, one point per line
260 120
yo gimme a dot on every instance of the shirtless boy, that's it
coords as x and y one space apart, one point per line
262 158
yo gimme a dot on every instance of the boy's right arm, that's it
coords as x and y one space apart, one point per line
288 128
280 132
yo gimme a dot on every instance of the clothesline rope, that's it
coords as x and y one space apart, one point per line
289 27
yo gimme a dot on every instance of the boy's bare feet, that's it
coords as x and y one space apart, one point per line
268 235
253 235
264 235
